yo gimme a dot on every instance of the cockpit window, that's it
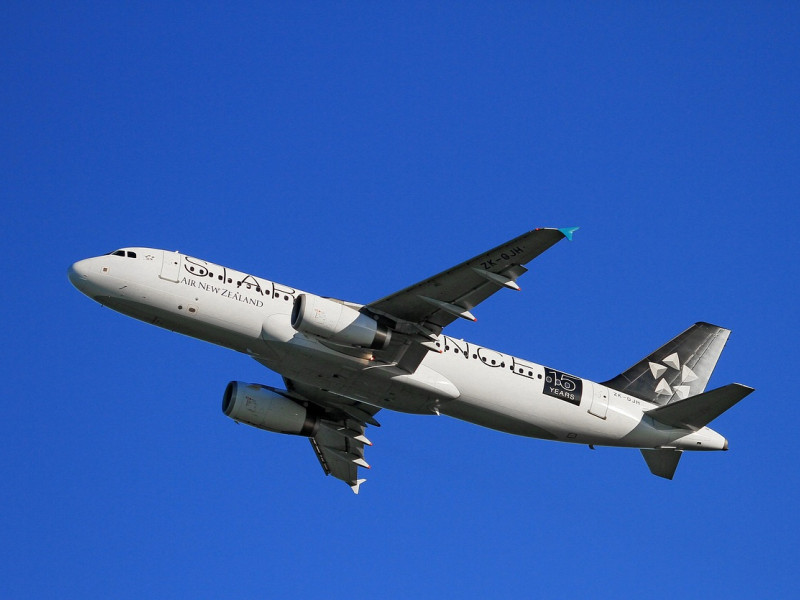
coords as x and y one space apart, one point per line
122 253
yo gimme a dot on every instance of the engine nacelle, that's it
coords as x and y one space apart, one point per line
265 408
338 323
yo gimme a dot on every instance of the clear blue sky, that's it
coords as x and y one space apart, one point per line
351 149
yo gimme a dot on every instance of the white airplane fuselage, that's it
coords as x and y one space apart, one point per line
462 380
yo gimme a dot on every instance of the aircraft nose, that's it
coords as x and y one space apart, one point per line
78 274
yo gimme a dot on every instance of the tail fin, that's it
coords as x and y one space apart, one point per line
679 369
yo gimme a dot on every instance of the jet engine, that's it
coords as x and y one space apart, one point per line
265 408
338 323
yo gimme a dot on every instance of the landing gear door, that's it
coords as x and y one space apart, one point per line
599 405
171 266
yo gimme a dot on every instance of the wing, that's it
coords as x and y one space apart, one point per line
422 310
339 441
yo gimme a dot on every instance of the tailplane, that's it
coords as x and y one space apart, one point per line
677 370
698 411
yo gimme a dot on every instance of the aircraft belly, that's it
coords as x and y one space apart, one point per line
214 333
537 416
206 318
306 360
494 419
500 399
493 398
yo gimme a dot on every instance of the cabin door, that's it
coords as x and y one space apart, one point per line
171 266
599 405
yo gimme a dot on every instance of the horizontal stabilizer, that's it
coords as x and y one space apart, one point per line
662 461
698 411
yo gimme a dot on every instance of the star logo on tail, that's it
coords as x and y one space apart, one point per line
686 376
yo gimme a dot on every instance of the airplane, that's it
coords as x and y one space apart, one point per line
342 362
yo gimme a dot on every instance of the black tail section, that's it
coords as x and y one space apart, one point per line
679 369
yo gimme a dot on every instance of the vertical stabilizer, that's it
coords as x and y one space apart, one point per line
679 369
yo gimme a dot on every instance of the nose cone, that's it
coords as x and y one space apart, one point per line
78 274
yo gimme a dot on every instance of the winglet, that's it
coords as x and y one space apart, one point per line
568 231
357 485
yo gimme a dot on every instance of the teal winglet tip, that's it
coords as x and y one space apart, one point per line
568 232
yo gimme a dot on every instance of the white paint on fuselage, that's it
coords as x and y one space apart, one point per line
466 381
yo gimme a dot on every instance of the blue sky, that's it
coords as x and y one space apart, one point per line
351 149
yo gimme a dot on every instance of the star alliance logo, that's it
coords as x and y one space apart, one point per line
686 376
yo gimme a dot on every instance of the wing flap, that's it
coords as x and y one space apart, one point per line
339 439
339 456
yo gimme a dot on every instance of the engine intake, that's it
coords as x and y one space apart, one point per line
338 323
265 408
